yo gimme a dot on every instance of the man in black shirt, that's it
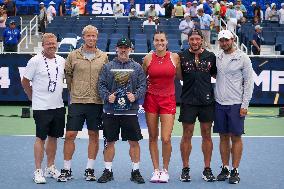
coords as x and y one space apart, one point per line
62 8
256 40
168 8
197 100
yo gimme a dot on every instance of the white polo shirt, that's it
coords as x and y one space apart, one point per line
37 72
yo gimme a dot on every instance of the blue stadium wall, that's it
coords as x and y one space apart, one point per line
268 78
102 7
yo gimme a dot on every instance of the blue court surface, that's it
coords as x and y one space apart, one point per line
261 165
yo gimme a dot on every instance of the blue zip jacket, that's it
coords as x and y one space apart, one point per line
11 36
107 84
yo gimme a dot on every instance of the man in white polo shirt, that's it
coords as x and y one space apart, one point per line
46 71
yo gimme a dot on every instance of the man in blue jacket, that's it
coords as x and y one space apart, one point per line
122 83
11 37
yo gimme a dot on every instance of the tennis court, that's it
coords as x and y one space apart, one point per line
261 166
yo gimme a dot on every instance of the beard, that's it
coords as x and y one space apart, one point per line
227 48
195 49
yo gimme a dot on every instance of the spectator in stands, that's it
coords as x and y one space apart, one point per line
150 21
193 10
82 6
151 12
168 8
205 24
185 27
239 13
242 7
256 40
117 9
10 7
233 92
216 15
125 120
82 70
255 21
157 21
281 14
62 8
3 18
133 14
197 101
223 10
267 11
51 12
274 17
178 10
11 37
258 13
74 9
47 104
206 7
253 6
188 7
231 17
129 7
42 18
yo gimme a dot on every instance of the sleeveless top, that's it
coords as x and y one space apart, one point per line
161 75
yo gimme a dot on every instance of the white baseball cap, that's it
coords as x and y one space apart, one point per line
215 1
273 4
194 2
258 27
186 14
133 9
199 7
253 3
51 3
282 4
231 3
41 3
225 34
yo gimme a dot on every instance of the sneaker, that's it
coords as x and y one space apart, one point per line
225 174
207 175
65 175
185 177
106 176
164 176
155 176
89 175
234 177
51 172
38 177
136 177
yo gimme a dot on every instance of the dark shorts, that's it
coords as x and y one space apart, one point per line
49 122
189 113
79 113
129 125
228 119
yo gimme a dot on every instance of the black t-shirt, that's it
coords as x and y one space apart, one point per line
168 10
257 38
197 88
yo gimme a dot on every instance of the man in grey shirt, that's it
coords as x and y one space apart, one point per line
233 92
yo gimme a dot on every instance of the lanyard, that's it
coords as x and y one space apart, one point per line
51 84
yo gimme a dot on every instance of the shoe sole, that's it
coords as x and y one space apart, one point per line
208 180
90 179
185 180
137 181
69 178
105 181
39 182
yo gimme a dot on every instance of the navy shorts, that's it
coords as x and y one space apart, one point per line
129 125
49 123
79 113
228 119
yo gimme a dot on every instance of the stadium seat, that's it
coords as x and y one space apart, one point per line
141 48
269 38
65 48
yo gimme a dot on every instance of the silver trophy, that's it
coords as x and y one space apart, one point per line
121 77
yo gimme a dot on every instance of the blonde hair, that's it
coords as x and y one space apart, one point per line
48 36
89 28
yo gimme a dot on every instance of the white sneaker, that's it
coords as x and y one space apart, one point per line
51 172
38 177
155 176
164 176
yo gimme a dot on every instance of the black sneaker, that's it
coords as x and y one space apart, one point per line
106 176
207 175
65 175
89 175
185 177
225 174
234 177
136 177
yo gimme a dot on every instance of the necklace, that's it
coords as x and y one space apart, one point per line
161 59
51 83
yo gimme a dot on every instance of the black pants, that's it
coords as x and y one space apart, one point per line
255 51
10 48
42 26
